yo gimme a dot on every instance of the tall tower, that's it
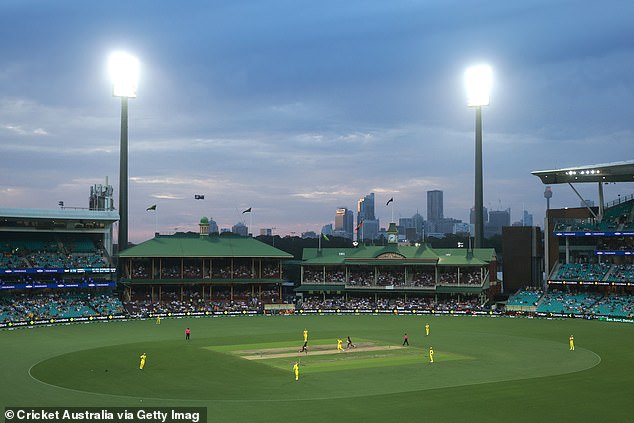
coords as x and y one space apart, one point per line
434 206
365 215
548 194
366 208
344 222
527 218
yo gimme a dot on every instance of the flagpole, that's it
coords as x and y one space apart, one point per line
250 227
362 228
391 200
154 208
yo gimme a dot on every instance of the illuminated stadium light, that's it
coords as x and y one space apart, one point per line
124 72
478 80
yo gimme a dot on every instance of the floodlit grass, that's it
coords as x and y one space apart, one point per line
240 368
324 357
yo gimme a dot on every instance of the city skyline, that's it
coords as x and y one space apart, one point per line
294 109
524 219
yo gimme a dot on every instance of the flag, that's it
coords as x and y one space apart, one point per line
152 207
247 210
325 237
359 225
199 197
389 201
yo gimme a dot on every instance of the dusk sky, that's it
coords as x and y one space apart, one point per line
295 108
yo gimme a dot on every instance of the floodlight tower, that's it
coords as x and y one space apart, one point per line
478 83
548 194
124 72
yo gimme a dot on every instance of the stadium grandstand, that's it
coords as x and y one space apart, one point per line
556 302
589 252
397 277
591 245
198 274
56 266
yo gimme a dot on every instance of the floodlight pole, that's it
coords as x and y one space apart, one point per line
123 177
124 73
478 81
479 215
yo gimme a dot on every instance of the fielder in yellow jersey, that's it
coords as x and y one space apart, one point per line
339 345
305 335
158 320
431 354
142 364
296 370
426 329
572 343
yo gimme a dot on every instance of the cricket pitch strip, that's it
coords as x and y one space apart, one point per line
264 354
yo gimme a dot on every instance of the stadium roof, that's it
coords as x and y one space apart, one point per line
60 214
398 255
606 172
194 245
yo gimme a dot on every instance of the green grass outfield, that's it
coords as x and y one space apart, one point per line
240 368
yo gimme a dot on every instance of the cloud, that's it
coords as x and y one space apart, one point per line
320 195
167 196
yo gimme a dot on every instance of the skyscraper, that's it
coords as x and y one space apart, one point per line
527 219
497 220
434 208
366 208
213 226
344 222
411 227
434 205
365 214
419 224
240 229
